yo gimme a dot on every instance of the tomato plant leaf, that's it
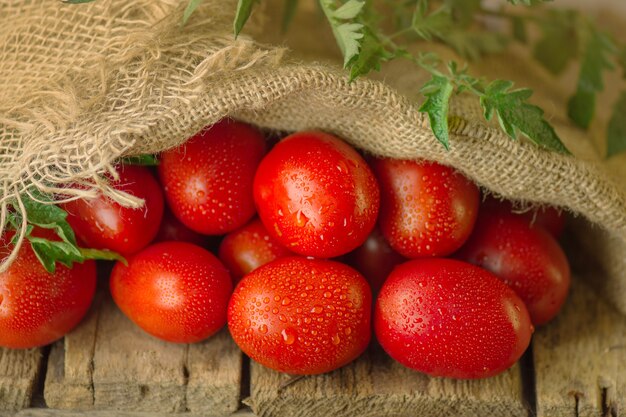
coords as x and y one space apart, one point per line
558 45
244 9
191 7
371 56
438 92
518 29
102 255
515 114
48 216
144 160
581 106
347 31
616 131
288 14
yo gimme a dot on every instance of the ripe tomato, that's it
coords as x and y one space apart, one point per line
375 259
448 318
172 229
301 316
175 291
103 224
249 247
208 180
551 219
528 259
36 307
316 195
427 209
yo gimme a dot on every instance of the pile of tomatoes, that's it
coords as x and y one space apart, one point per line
341 248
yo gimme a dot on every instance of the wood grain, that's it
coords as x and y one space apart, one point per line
580 359
375 385
19 371
44 412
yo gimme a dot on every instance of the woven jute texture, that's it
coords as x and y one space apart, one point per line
82 85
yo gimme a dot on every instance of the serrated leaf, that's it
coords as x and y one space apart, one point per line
49 252
518 28
430 25
370 57
558 45
191 7
515 114
143 160
581 106
102 255
349 10
48 216
616 131
244 9
288 14
438 91
348 34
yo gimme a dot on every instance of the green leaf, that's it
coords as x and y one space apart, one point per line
102 255
48 216
518 27
49 252
288 14
191 7
515 114
616 132
144 160
438 92
431 25
558 45
463 11
581 106
371 56
347 31
473 45
244 8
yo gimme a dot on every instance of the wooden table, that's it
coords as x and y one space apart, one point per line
576 367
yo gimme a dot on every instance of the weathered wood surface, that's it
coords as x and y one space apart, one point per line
43 412
110 364
19 372
375 385
580 359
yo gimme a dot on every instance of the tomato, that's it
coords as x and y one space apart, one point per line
449 318
528 259
249 247
104 224
172 229
175 291
301 316
427 209
208 180
375 259
36 307
316 195
548 217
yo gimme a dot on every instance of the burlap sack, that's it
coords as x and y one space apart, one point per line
81 85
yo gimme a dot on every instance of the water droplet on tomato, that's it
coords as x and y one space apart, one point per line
335 339
286 301
317 309
288 337
347 331
327 294
263 328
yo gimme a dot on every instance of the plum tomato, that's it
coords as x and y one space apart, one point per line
528 259
427 209
172 229
548 217
316 195
444 317
175 291
249 247
37 307
208 180
301 316
102 223
375 259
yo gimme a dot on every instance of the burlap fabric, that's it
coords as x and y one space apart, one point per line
81 85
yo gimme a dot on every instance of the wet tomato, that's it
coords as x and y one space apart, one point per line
175 291
301 316
449 318
427 209
316 195
548 217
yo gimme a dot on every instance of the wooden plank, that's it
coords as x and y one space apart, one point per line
46 412
19 372
376 385
580 359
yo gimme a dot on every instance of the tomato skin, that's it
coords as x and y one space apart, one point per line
249 247
375 259
208 180
175 291
427 209
316 195
548 217
104 224
448 318
301 316
528 259
36 307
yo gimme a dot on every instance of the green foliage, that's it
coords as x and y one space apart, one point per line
438 92
616 134
144 160
558 45
244 9
347 30
191 7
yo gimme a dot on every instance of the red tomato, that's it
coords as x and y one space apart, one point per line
547 217
249 247
528 259
301 316
36 307
375 259
448 318
427 209
172 229
103 224
175 291
208 180
316 195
